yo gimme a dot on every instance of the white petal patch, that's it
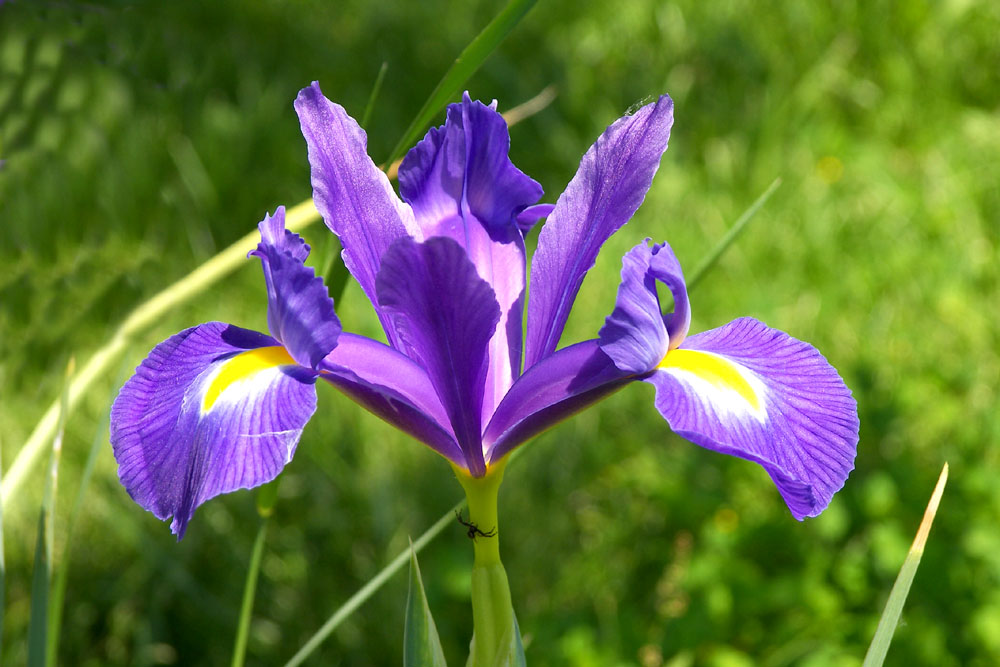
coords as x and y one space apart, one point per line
722 384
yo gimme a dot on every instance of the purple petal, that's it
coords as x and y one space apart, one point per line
636 335
465 165
754 392
299 309
552 390
527 218
351 193
394 388
213 409
445 315
461 184
607 189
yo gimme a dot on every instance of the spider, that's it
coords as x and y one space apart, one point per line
474 530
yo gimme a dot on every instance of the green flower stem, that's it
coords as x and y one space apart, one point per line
492 611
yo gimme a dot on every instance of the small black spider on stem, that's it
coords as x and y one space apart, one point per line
474 530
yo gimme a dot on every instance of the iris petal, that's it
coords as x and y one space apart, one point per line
552 390
636 335
394 388
299 309
212 409
607 189
352 194
461 184
757 393
445 315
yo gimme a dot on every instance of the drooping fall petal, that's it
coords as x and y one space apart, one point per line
743 389
212 409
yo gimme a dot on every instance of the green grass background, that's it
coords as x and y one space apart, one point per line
140 138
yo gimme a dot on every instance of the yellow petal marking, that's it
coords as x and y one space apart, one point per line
714 369
241 367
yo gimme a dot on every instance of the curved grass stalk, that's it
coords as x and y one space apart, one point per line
141 319
297 218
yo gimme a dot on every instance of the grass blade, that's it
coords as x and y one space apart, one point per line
42 572
3 566
897 597
62 571
421 644
372 586
734 232
376 89
249 591
467 62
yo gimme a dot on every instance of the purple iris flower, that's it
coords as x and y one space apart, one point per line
216 407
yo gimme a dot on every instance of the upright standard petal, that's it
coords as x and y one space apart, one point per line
351 193
299 309
445 315
743 389
212 409
461 184
607 189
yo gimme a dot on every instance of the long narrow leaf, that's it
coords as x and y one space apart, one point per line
373 97
249 590
421 644
62 570
3 566
734 233
897 597
464 66
42 573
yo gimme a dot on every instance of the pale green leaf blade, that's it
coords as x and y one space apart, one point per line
41 578
421 645
897 597
3 567
59 582
464 66
514 655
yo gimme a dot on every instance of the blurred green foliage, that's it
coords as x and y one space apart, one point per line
139 138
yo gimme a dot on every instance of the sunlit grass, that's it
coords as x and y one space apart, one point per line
137 146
